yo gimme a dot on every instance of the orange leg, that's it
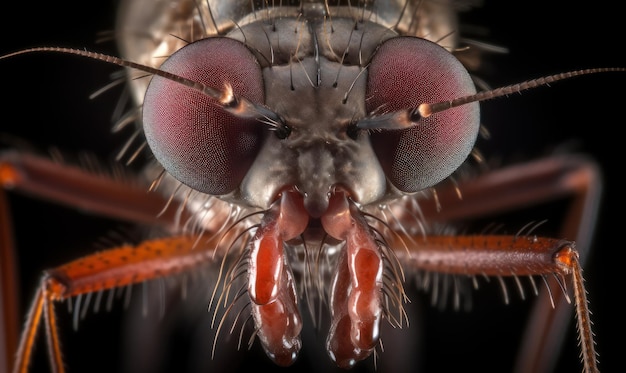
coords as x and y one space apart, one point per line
97 194
9 288
116 267
573 178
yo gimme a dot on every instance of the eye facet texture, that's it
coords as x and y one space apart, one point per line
190 134
404 73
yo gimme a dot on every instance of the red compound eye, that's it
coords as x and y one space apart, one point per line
404 73
193 138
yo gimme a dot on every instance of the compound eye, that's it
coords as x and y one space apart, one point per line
190 134
404 73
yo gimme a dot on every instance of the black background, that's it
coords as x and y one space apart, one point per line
45 101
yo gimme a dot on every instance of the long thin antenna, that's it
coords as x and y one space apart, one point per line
410 117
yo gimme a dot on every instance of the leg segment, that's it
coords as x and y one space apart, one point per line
517 187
